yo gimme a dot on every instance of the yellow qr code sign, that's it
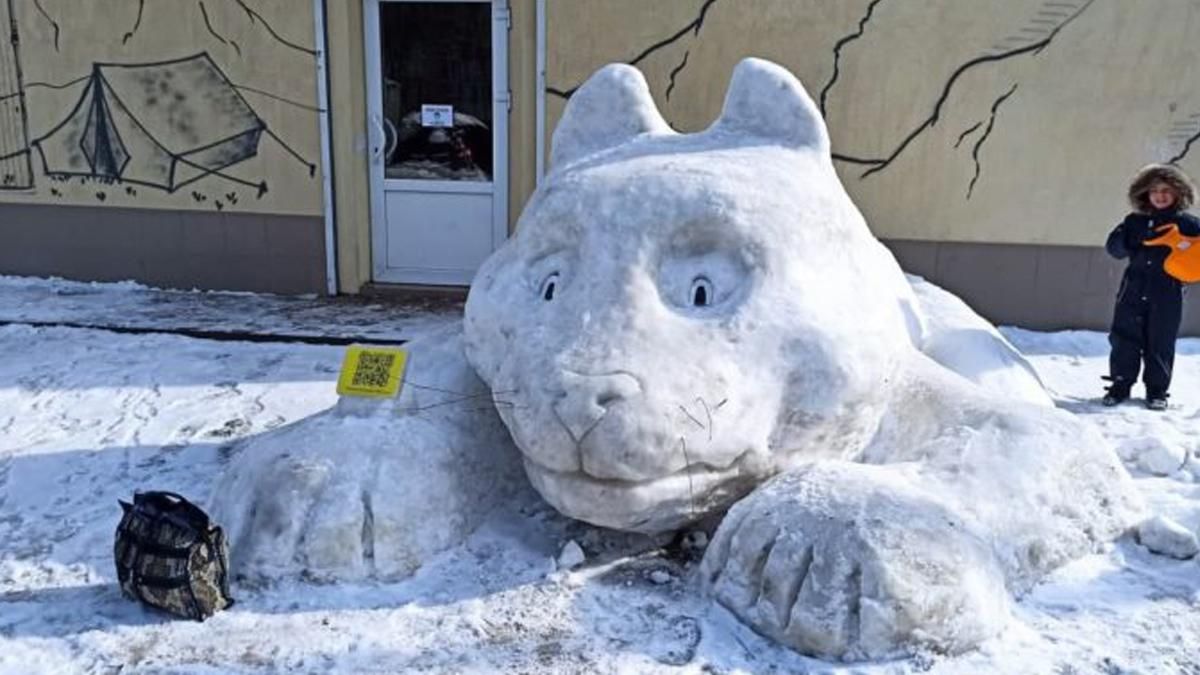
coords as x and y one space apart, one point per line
372 371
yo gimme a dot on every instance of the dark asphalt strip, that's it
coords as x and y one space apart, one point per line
217 335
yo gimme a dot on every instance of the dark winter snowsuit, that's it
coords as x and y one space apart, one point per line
1149 303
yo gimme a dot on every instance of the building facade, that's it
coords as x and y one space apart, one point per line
324 145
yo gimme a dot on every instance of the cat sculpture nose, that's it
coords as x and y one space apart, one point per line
587 398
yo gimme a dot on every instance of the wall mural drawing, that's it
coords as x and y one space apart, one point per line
693 27
1029 36
1032 38
255 18
213 31
940 112
46 15
837 52
1183 133
137 23
16 168
1042 33
164 125
984 136
200 104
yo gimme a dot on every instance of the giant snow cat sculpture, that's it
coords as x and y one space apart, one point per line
690 324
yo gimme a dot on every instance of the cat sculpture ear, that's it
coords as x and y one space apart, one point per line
768 102
612 107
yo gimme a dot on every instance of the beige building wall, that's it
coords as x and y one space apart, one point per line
1006 122
966 131
348 142
172 142
164 104
522 130
988 143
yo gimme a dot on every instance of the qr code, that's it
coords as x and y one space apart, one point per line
372 370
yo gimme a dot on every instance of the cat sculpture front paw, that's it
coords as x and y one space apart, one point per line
852 561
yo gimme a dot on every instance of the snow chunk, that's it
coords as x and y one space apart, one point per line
571 556
1193 467
660 577
1162 454
1166 537
961 340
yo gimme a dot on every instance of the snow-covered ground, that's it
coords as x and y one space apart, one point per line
89 416
133 307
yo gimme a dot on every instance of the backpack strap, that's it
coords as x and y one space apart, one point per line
176 508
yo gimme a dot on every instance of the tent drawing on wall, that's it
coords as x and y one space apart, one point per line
163 125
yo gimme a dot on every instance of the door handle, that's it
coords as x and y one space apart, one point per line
390 144
378 137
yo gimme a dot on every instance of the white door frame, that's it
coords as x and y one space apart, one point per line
377 139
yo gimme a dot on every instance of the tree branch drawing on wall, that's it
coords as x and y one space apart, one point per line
16 166
1183 133
163 125
137 23
1049 21
692 27
837 52
256 19
987 131
1040 30
53 24
833 78
212 31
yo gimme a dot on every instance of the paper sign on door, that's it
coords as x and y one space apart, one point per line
437 115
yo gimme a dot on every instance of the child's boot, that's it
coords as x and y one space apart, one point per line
1118 392
1156 400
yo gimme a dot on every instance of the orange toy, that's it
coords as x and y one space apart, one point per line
1183 262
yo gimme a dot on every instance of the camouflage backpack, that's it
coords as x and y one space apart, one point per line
169 555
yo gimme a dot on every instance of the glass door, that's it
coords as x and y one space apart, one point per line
438 112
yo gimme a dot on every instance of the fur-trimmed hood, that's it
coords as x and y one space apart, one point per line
1166 173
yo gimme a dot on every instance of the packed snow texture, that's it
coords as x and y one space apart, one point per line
681 316
87 417
1162 454
133 306
957 338
371 488
1167 537
667 330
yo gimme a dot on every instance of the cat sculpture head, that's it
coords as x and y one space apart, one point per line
679 316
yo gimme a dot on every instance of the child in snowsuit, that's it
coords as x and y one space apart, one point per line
1150 302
